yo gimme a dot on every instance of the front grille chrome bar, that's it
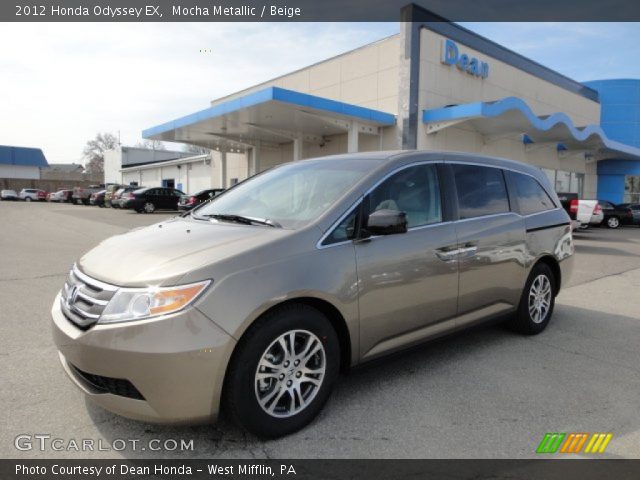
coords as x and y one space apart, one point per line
83 299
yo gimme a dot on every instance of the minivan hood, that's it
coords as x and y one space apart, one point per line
162 253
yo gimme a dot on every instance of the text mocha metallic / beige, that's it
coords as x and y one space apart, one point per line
256 300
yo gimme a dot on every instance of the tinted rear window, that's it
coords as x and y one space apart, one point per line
532 198
481 191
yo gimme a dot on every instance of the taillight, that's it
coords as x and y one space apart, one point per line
192 200
597 210
573 206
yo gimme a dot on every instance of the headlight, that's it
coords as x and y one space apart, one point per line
139 303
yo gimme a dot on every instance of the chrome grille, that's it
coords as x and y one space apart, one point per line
83 298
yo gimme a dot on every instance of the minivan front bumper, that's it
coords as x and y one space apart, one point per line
167 370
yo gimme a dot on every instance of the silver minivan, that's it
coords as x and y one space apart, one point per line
254 302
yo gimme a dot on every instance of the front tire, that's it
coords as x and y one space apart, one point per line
537 301
282 371
613 222
28 199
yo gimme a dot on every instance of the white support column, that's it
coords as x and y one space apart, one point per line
223 169
297 148
352 138
254 162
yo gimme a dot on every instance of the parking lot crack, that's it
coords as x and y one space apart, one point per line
37 277
581 354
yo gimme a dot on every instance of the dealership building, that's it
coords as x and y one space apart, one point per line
433 86
23 163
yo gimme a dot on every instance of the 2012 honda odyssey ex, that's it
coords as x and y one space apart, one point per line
255 301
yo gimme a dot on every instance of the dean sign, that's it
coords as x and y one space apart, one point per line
451 56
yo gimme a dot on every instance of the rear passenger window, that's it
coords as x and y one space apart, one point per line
532 198
481 191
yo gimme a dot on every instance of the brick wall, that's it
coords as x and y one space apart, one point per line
18 184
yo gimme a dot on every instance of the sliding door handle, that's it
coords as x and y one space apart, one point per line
468 250
447 254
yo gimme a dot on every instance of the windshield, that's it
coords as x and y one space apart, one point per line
292 195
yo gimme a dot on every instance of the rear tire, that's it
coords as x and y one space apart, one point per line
274 386
536 303
149 207
613 222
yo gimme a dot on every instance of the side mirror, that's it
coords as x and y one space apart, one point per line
387 222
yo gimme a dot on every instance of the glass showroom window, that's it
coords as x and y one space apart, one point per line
632 189
563 181
566 182
577 183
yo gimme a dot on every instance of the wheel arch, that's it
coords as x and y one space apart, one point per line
329 310
554 265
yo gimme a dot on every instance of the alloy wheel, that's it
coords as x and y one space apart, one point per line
290 373
149 207
539 298
613 222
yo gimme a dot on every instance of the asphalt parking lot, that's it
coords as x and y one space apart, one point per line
483 393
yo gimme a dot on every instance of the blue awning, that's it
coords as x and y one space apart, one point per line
513 115
23 156
272 115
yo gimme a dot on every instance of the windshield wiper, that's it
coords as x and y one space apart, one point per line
244 220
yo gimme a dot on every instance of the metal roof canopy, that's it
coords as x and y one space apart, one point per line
23 156
268 118
512 116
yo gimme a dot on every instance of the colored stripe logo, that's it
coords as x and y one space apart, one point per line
574 442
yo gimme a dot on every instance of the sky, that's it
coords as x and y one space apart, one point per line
61 83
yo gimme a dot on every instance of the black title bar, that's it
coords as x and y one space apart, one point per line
313 10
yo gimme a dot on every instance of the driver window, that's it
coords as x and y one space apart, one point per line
415 191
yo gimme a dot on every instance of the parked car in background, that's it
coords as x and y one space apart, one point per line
635 211
8 195
116 200
148 200
583 213
187 202
61 196
83 194
97 198
615 215
33 195
110 193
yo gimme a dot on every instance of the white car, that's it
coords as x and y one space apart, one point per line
32 195
8 195
61 196
589 212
